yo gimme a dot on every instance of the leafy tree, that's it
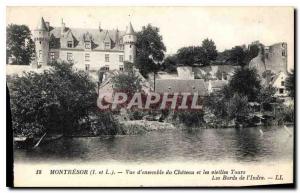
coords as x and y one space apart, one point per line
245 82
266 94
290 83
192 55
237 106
238 55
209 49
127 81
253 52
215 104
150 50
19 43
189 118
198 55
224 56
169 64
56 100
227 108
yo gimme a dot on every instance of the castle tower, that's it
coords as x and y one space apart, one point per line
129 40
41 40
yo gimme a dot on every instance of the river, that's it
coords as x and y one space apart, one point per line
274 143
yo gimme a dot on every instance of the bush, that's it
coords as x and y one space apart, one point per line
54 101
286 115
189 118
105 124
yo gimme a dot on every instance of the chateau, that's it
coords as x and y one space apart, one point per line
87 49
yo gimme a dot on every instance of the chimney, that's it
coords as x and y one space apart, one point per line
117 37
63 26
100 29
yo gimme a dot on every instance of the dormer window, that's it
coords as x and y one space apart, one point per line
70 44
106 45
87 45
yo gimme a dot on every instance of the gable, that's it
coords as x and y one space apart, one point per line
98 37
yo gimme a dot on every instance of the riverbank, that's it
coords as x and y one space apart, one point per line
142 126
241 145
128 128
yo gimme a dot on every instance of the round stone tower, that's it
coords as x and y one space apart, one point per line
41 40
129 40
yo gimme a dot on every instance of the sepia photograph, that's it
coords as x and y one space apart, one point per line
151 96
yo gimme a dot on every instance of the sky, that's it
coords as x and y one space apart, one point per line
179 26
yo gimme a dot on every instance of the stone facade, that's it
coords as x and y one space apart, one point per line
88 49
271 64
270 58
276 57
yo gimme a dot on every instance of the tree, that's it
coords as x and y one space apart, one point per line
150 50
127 81
192 56
209 49
227 107
19 43
237 107
198 55
245 82
238 55
169 64
253 52
290 84
224 57
56 100
266 96
189 118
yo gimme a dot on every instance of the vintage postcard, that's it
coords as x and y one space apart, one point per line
151 96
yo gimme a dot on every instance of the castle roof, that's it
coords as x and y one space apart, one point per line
129 30
95 35
42 25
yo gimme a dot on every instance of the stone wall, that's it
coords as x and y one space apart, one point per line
96 59
276 57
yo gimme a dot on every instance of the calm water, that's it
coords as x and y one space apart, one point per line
236 145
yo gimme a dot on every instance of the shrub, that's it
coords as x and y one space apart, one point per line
189 118
55 100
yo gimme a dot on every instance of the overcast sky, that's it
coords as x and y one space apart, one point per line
179 26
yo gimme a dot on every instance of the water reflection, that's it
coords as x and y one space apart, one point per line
236 145
248 144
